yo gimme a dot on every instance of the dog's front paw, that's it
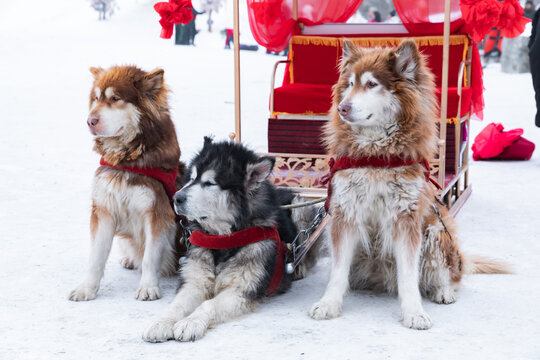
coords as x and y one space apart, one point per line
148 293
189 329
325 310
418 321
444 295
159 331
83 293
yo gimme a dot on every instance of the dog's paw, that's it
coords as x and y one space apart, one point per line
444 295
83 293
189 329
325 310
418 321
148 293
127 263
159 331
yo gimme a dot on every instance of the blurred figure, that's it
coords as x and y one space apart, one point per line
105 8
534 58
393 18
185 34
529 10
493 46
374 16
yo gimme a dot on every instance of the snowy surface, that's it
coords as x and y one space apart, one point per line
46 172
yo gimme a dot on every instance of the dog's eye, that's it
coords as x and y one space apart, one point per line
115 98
209 183
371 84
351 83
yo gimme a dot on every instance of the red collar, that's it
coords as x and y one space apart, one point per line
166 178
242 238
345 162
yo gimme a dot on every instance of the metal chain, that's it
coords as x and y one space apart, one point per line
321 213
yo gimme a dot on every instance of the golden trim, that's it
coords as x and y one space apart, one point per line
275 113
465 49
315 40
290 58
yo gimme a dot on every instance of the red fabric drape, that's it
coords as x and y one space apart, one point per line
423 17
272 23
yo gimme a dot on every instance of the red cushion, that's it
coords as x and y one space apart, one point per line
453 99
301 98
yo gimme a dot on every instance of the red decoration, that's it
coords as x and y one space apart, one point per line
172 13
242 238
272 23
480 16
511 21
166 178
346 162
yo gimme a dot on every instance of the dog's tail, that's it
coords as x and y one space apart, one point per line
477 264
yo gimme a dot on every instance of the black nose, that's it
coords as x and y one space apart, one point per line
179 198
92 121
344 108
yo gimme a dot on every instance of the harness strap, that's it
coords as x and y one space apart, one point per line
243 238
346 162
166 178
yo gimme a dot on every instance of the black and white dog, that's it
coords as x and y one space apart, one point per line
227 193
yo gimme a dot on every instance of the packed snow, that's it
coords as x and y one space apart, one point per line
45 178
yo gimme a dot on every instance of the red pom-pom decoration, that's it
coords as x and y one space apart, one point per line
480 16
511 21
172 13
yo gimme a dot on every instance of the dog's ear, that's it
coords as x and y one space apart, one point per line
151 82
258 171
407 59
208 141
96 71
349 48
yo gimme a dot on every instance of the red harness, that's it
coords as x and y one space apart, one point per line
166 178
242 238
346 162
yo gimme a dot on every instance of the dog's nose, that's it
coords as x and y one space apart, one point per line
344 108
179 198
92 120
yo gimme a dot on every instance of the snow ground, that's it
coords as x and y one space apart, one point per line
46 172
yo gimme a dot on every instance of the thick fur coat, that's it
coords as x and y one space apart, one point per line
129 118
386 230
226 190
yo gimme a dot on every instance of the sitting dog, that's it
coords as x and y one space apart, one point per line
236 255
133 132
388 230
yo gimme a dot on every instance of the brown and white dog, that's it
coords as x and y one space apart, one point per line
129 118
386 229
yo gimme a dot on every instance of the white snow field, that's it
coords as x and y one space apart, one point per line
46 171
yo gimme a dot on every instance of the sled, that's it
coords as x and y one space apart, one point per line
299 107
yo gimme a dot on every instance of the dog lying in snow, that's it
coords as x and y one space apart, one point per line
133 132
228 199
388 230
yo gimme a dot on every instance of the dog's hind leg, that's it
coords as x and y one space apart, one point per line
407 246
228 304
344 243
102 229
197 282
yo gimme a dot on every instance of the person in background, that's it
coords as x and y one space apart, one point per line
529 10
374 16
534 58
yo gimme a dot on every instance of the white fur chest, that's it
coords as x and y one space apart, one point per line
374 197
126 202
